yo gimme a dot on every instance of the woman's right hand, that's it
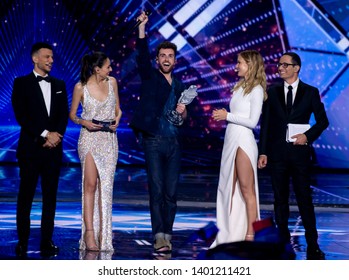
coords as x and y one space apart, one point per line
219 114
90 125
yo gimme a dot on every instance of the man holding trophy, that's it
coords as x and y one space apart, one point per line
157 120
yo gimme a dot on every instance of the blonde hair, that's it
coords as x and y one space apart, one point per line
255 74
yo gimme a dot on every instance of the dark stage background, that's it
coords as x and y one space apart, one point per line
209 34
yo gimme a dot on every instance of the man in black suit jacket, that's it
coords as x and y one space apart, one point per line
40 105
292 159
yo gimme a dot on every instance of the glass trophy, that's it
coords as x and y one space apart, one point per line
186 98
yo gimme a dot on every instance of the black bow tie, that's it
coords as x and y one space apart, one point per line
40 78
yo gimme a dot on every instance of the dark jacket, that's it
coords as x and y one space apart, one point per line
31 114
155 91
275 118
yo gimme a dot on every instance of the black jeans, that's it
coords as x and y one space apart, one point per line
163 160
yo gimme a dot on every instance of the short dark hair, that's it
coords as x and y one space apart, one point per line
295 58
166 45
40 45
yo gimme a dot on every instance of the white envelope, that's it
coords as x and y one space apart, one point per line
293 129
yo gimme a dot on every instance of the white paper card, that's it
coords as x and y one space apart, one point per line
293 129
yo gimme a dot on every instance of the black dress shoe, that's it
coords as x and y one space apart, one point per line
48 248
21 249
315 254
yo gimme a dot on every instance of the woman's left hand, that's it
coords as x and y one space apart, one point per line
113 127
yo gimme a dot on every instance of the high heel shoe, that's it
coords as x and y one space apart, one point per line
93 248
249 237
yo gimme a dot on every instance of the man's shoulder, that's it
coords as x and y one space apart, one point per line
307 86
25 77
179 83
275 87
57 80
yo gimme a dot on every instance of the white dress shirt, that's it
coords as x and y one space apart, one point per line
294 89
46 92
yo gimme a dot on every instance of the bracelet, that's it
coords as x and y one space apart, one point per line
77 120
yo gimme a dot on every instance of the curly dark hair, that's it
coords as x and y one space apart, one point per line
166 45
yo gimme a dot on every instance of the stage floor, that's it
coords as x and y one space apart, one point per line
195 220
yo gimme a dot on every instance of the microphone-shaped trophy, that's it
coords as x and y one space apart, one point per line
186 98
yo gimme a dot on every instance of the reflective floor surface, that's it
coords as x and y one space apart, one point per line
194 226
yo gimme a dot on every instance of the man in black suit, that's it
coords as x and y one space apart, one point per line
40 105
292 102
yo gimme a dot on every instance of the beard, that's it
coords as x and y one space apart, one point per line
167 70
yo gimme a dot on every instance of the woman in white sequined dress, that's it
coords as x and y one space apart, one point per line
237 197
97 93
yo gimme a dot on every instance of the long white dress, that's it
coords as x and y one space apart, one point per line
245 111
103 146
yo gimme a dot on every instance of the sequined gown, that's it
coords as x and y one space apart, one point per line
245 111
103 146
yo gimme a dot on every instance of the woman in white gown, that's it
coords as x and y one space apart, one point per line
98 149
237 196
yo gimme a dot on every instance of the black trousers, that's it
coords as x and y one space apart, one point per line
296 166
48 169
